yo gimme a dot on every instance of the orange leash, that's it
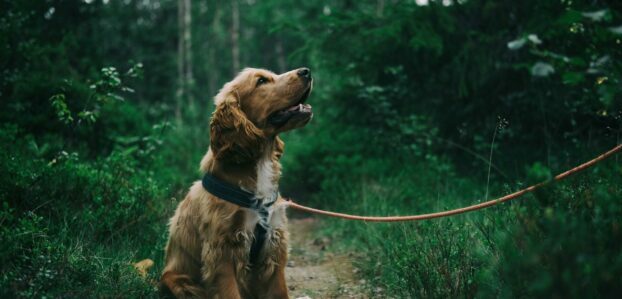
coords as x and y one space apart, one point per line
475 207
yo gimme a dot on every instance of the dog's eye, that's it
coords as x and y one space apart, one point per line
262 80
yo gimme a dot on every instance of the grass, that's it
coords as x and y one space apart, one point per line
73 227
553 243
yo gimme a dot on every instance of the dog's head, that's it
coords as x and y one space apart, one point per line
256 106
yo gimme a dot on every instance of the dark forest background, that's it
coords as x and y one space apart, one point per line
419 106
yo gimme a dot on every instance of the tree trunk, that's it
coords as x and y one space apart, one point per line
185 78
280 56
235 36
180 92
380 8
211 52
189 78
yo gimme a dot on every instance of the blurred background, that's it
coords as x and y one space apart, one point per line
419 106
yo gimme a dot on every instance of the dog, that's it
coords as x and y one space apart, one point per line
221 248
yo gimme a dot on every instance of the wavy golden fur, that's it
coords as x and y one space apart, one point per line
207 254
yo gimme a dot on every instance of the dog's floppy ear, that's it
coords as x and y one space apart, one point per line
233 136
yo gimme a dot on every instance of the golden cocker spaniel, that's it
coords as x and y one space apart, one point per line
219 247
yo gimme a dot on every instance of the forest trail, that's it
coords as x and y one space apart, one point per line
312 272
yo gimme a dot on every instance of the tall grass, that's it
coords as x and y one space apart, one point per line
563 241
72 226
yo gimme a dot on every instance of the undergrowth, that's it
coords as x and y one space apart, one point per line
562 241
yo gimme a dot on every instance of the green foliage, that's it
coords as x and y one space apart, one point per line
568 245
417 109
406 105
60 106
39 263
57 214
564 242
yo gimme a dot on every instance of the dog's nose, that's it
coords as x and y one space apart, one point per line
304 73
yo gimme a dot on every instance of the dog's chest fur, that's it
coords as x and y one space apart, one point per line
268 172
267 180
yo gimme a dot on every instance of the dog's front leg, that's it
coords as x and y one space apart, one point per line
274 285
277 288
226 283
218 273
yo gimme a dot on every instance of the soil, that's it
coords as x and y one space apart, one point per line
314 272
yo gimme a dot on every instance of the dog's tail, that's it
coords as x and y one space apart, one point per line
180 286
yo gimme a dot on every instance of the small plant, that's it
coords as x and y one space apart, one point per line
103 91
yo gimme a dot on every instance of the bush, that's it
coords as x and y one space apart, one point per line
72 226
566 241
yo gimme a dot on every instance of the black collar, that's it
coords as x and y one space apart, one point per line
235 195
245 199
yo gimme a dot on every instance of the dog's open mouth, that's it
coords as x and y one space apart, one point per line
300 109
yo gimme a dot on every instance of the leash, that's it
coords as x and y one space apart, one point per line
471 208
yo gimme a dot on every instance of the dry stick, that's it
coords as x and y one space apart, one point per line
475 207
474 154
492 145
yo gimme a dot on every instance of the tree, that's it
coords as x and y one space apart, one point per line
235 36
184 59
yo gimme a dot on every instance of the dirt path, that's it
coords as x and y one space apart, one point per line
312 272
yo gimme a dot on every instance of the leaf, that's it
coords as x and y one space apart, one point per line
539 173
88 116
128 151
597 66
542 69
517 43
616 30
534 39
62 110
116 97
520 42
570 17
596 16
573 78
577 61
127 140
607 94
